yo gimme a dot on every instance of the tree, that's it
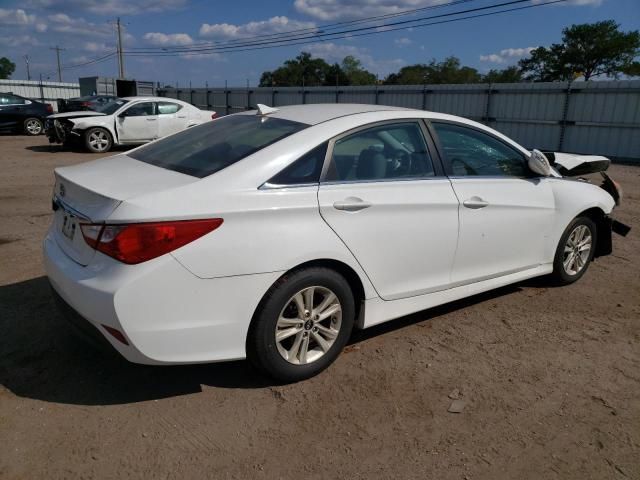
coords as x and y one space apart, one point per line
588 50
447 71
7 67
303 70
508 75
632 70
355 73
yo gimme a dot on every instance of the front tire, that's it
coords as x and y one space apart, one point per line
33 126
302 324
98 140
575 251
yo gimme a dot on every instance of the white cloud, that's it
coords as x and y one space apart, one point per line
96 47
168 39
15 17
329 10
506 55
332 52
264 27
338 10
402 42
108 7
63 23
19 41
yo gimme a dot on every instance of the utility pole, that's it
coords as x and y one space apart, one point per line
120 56
58 50
26 60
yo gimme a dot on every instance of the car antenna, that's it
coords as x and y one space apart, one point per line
265 110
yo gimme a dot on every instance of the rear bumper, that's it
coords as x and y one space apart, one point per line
166 314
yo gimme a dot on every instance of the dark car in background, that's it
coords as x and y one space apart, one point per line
23 115
81 104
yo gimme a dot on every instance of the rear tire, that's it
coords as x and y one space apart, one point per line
302 324
575 251
98 140
33 126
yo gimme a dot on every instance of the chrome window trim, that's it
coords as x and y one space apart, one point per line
274 186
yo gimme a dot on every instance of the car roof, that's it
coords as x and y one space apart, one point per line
153 99
312 114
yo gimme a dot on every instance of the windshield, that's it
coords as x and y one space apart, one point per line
208 148
111 107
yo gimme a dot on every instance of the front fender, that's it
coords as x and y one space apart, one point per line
572 197
83 124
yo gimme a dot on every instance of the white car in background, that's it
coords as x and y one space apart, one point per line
271 234
125 121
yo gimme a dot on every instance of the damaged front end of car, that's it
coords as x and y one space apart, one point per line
574 165
60 130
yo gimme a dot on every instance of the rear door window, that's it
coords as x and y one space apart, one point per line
304 171
208 148
165 108
8 99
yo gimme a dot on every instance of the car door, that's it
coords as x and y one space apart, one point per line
137 123
11 110
391 205
171 118
506 211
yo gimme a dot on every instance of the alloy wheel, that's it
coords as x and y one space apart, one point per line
34 126
308 325
577 250
99 140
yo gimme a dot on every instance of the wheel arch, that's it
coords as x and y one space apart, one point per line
603 230
349 274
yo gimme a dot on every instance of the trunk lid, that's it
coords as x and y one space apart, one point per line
90 192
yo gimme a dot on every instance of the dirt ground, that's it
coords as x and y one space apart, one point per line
550 378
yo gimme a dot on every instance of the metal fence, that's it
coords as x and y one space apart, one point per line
47 92
582 117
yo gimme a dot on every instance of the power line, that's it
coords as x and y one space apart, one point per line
357 32
316 29
92 61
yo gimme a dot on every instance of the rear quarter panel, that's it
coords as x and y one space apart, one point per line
267 231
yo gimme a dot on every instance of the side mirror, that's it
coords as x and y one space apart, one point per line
539 164
123 114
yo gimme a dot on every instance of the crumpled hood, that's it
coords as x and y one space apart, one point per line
572 164
77 114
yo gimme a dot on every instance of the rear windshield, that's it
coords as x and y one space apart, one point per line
208 148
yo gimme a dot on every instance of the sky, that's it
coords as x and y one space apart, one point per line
85 29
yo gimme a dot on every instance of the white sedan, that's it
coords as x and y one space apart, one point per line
125 121
270 235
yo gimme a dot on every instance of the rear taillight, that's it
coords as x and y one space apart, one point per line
49 108
214 115
86 104
138 242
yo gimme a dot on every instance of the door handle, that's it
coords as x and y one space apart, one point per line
151 119
475 203
351 204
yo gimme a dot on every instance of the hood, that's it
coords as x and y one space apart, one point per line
77 114
572 165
